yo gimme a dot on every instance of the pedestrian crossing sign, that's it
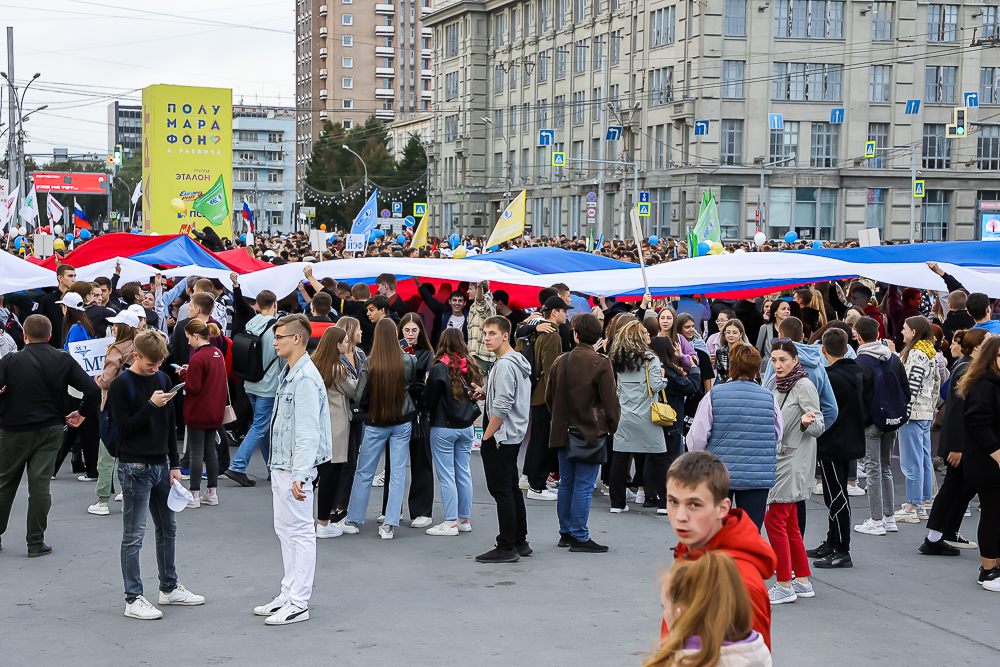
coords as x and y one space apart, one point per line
644 209
558 159
870 149
419 210
918 188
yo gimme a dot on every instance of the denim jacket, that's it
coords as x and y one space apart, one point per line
300 422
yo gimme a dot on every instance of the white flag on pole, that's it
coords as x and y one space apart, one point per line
29 209
137 192
7 205
55 210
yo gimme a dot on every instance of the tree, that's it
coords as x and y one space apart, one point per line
413 167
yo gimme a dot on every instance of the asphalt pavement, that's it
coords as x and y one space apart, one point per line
420 600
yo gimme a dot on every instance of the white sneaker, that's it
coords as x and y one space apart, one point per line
890 524
119 497
993 585
385 532
443 529
855 490
329 530
640 496
346 528
552 482
271 607
605 489
379 479
182 597
544 494
780 595
380 519
522 483
287 615
923 512
100 509
861 470
421 522
962 543
185 477
619 510
903 515
870 527
818 489
195 502
662 510
803 590
629 496
464 526
143 610
84 478
211 498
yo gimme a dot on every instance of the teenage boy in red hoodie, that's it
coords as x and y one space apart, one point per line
700 513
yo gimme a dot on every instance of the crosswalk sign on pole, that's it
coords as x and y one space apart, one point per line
643 209
558 159
419 210
870 149
918 188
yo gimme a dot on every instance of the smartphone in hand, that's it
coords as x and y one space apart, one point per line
176 388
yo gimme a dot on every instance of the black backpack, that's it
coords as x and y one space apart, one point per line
248 355
526 346
14 330
106 427
890 405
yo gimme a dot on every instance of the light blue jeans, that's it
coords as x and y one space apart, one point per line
915 460
371 451
452 452
259 434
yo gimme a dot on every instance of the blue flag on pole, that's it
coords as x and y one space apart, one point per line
367 216
600 242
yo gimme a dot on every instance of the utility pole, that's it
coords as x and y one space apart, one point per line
602 150
13 173
913 185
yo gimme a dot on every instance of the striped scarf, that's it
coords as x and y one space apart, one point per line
785 384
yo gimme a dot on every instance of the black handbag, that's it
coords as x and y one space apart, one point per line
578 450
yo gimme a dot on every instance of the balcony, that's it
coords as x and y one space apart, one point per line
385 52
323 114
323 94
424 11
322 74
383 93
323 10
322 52
323 32
385 30
385 114
385 71
426 53
426 94
426 73
426 32
385 10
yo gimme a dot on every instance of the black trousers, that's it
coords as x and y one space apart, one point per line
753 502
222 453
951 502
989 522
500 466
337 479
86 438
539 460
421 497
800 508
838 534
653 468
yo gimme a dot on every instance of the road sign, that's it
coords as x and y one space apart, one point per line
591 196
972 99
700 128
419 210
643 209
397 228
912 107
592 204
410 220
591 213
546 137
308 210
614 133
397 207
644 197
558 159
918 188
775 121
836 116
870 149
385 213
355 243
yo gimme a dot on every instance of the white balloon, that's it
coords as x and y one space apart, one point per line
759 238
154 233
739 251
22 230
57 229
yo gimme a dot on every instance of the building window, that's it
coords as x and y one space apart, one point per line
661 27
451 85
451 128
579 10
801 81
498 170
659 209
500 22
498 123
816 19
825 146
580 56
347 104
451 40
543 16
814 214
661 86
561 54
559 110
785 144
347 82
613 97
347 40
347 123
935 213
526 117
579 104
882 21
246 175
732 143
937 148
879 133
560 14
498 79
598 55
275 137
875 209
512 121
575 215
542 114
597 106
734 23
347 62
513 76
732 79
273 176
616 47
942 23
989 84
658 140
729 212
543 66
514 24
939 84
991 22
244 135
346 19
879 82
988 148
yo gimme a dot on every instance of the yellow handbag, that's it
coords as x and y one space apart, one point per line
662 413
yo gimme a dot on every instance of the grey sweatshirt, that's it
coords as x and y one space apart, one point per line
508 394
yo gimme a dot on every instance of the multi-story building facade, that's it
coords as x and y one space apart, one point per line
505 69
356 59
264 167
125 128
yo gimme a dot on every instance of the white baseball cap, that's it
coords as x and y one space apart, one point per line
126 317
179 497
137 310
72 300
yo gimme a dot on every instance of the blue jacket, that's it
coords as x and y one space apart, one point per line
300 421
812 359
743 434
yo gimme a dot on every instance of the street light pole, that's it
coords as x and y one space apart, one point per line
344 146
15 152
510 185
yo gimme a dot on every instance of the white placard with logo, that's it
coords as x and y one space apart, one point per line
355 243
90 354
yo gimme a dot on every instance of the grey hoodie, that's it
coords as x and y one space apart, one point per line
508 394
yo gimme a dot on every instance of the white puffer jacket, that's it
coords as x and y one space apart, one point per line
925 384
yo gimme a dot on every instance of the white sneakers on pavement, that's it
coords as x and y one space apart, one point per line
182 597
331 529
544 494
346 528
855 490
619 510
421 522
271 607
890 524
780 595
119 497
464 526
211 498
385 532
379 479
903 515
142 609
870 527
818 489
287 615
100 509
444 529
522 483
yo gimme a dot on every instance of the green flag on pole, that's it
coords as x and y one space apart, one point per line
707 228
213 205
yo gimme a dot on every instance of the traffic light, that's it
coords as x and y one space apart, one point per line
118 155
959 128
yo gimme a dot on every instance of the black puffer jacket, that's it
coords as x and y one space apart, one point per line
953 434
982 417
439 400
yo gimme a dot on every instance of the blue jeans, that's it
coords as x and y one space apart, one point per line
371 450
915 460
258 435
146 486
576 486
452 451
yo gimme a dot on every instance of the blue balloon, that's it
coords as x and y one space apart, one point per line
134 231
818 244
69 238
18 242
84 234
243 238
454 240
791 237
653 240
377 233
703 248
493 248
400 239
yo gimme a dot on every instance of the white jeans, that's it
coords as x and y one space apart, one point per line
293 524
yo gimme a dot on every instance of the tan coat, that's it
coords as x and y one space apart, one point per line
117 359
593 403
339 398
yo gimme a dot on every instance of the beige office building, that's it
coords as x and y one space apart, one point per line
722 94
355 59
